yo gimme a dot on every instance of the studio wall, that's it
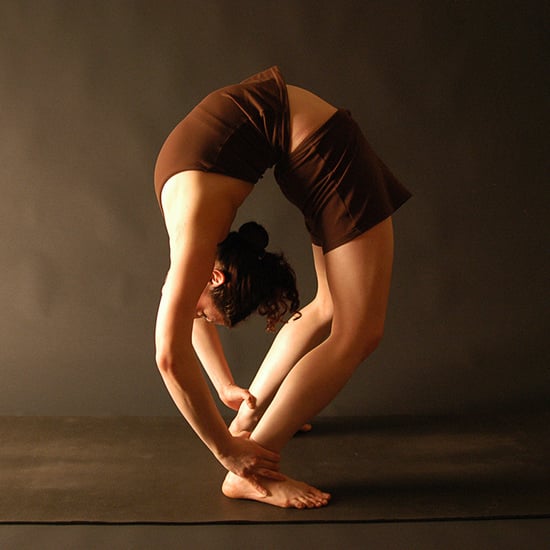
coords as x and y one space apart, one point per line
451 94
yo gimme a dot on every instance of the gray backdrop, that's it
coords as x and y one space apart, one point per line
452 94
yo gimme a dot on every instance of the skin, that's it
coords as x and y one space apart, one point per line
311 358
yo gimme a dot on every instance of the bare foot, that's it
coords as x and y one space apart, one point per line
288 493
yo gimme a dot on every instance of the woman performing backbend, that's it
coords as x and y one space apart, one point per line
323 164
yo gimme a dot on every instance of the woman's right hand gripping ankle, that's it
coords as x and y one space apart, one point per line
249 460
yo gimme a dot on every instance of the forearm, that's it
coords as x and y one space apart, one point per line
207 346
190 393
243 457
182 374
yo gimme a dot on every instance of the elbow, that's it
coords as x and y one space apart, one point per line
165 363
171 359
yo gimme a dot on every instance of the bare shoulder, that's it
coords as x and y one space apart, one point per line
198 209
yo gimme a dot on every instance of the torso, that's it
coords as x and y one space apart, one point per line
307 113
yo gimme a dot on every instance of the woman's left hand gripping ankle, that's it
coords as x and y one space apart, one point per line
232 396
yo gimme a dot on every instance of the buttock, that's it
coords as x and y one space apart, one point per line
339 183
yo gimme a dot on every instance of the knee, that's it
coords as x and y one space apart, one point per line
322 311
365 346
372 342
358 345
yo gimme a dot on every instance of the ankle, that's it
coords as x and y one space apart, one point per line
243 423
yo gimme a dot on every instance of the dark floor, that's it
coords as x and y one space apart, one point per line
399 483
133 470
528 534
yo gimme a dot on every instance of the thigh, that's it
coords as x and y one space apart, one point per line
323 297
359 276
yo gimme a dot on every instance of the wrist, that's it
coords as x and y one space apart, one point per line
223 447
223 388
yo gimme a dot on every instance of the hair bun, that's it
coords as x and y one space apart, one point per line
255 236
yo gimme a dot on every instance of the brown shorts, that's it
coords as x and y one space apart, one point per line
339 183
333 176
239 131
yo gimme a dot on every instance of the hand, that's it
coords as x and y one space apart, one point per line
245 420
251 461
232 396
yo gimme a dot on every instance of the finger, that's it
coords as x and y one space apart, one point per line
243 435
251 401
270 456
272 474
258 486
267 464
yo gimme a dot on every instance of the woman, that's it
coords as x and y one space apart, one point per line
323 164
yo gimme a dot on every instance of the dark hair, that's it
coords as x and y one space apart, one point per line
255 280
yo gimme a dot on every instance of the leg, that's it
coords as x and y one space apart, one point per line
358 275
293 341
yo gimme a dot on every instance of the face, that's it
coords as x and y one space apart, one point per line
205 305
206 309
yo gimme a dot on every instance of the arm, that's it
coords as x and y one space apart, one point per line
198 216
181 374
208 347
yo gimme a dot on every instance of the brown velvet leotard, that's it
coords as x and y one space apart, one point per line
333 176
